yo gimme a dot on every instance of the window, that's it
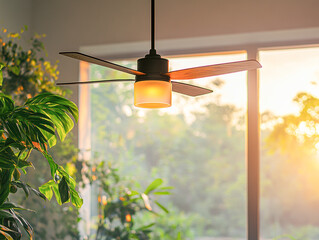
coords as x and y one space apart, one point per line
197 146
289 130
279 75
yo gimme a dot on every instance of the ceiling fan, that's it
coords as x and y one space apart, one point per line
153 82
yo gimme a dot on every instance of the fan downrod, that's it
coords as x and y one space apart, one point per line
154 67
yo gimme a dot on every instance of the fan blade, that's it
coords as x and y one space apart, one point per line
99 81
214 70
86 58
188 89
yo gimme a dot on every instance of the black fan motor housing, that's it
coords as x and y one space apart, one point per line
154 67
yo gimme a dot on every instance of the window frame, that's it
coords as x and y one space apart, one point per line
251 43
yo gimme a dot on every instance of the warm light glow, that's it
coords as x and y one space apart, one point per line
152 94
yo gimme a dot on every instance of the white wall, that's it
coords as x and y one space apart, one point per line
14 14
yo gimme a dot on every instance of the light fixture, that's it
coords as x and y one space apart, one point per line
154 82
153 94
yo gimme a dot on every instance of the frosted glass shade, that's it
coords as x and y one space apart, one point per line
152 94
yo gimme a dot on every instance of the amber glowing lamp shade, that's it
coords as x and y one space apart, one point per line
152 94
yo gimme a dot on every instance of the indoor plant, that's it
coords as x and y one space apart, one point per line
33 126
28 73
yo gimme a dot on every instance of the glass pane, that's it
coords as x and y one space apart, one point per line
197 146
289 159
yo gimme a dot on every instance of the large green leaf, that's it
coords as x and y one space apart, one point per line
35 123
155 184
68 181
57 109
49 188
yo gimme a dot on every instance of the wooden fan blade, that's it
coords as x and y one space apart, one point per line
188 89
214 70
99 81
86 58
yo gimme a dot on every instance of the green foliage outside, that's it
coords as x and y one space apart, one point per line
120 207
291 151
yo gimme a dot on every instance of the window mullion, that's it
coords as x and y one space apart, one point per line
253 150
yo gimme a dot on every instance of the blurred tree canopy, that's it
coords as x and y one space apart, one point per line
290 172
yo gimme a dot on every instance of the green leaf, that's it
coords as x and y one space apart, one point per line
46 190
155 184
162 193
23 164
76 200
145 227
27 188
16 174
166 188
26 225
5 214
10 205
53 166
6 161
1 76
161 206
133 193
5 184
6 235
4 228
59 170
55 189
14 69
6 104
64 190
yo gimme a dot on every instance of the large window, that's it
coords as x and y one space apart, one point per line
290 129
208 147
197 146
